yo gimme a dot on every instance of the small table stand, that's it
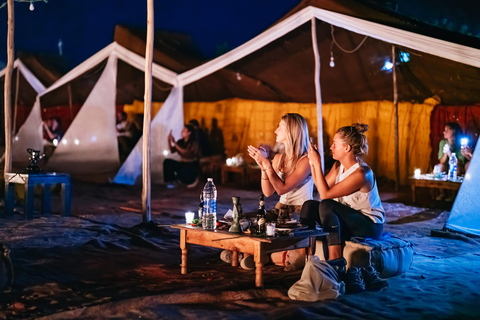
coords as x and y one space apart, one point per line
240 170
251 244
29 181
424 181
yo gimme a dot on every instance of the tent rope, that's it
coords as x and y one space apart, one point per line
344 50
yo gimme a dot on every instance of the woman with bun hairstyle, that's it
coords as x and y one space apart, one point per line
350 203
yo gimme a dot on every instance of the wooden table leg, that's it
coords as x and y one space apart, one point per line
184 247
259 258
413 192
234 258
310 251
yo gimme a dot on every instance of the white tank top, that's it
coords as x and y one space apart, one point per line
298 195
368 203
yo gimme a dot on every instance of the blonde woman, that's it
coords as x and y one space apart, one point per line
289 173
350 203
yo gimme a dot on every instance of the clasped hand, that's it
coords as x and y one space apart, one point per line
259 155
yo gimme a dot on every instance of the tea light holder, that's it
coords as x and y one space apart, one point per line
417 173
270 229
189 217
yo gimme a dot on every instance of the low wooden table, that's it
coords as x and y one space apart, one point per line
239 170
424 181
259 246
46 180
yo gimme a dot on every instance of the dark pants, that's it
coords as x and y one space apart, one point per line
186 172
340 221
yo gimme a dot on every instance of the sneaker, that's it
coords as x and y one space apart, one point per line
339 265
226 256
372 279
354 280
193 184
248 263
450 199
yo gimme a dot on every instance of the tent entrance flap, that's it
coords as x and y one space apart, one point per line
170 117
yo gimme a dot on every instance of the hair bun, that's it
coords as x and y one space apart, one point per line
360 127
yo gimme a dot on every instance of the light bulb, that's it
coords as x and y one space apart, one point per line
332 62
31 6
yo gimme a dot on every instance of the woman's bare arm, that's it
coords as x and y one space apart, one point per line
299 175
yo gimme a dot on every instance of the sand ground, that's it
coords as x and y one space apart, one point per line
103 263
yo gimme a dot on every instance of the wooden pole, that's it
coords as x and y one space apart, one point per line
395 108
8 90
147 110
318 94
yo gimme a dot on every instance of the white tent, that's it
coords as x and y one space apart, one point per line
89 146
433 46
29 134
465 214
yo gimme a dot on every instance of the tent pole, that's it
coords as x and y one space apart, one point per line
395 108
8 90
318 94
147 110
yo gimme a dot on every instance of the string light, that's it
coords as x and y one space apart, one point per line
332 61
31 6
334 41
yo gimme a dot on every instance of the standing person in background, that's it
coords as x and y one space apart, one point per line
201 137
216 140
187 169
350 203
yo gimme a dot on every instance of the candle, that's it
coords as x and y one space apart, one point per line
189 217
270 229
417 173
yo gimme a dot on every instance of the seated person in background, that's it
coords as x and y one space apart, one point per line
201 137
452 134
52 134
187 169
467 152
52 130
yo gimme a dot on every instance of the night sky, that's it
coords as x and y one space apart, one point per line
87 26
215 26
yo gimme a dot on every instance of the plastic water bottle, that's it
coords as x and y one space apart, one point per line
452 170
209 219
